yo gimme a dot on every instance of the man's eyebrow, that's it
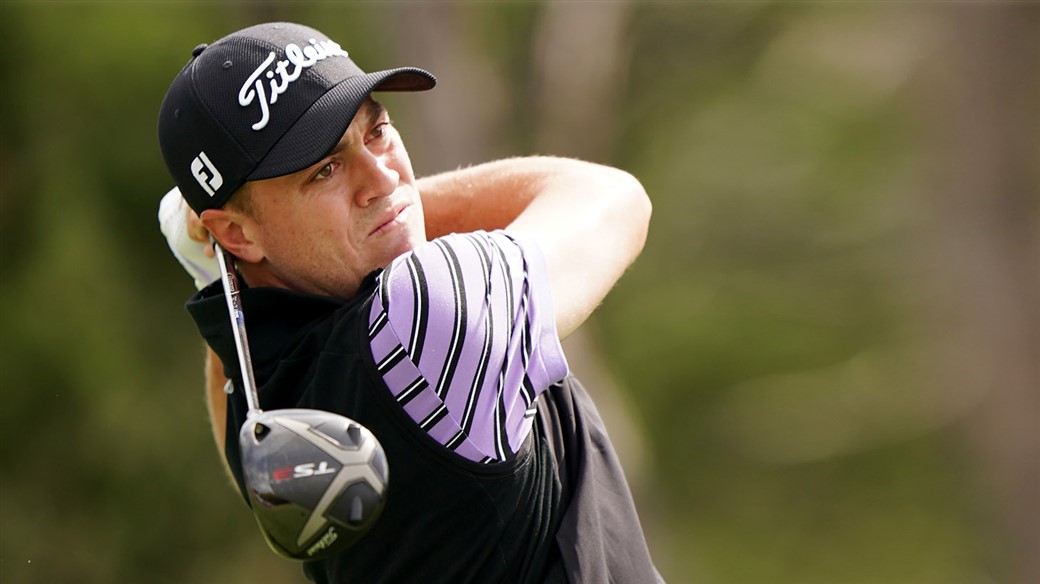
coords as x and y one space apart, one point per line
375 111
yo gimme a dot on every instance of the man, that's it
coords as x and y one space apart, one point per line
430 311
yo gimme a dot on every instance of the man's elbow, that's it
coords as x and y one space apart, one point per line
634 211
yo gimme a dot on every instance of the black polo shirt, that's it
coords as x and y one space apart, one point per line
559 510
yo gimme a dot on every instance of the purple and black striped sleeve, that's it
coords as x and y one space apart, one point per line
463 333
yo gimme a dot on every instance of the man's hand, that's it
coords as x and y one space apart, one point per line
188 239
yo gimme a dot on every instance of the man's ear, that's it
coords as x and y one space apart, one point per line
232 232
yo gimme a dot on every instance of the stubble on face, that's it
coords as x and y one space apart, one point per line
324 228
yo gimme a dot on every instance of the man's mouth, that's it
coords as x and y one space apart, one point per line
393 217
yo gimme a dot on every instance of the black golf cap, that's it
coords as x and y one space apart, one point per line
262 102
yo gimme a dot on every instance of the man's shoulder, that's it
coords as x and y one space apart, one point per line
464 342
475 245
454 267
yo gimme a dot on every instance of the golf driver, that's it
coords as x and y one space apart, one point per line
316 480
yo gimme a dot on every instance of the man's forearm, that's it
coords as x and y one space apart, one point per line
486 196
589 220
216 401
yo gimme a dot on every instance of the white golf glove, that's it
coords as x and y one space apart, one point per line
173 222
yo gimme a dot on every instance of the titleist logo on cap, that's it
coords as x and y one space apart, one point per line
280 77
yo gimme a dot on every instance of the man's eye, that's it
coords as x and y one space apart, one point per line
379 131
324 172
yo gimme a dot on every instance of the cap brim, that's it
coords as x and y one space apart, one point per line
320 128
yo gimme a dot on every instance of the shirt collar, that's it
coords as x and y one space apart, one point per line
274 318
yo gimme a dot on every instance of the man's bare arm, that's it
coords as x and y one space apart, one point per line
216 401
590 220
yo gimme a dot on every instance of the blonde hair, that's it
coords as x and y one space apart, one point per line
241 201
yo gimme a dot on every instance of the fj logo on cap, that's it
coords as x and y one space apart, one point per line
208 176
280 77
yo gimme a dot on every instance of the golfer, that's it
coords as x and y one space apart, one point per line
430 311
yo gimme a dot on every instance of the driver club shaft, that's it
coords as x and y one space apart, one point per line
238 324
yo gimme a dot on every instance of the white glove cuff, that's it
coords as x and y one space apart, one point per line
191 254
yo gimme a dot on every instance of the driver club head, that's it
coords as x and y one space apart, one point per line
316 480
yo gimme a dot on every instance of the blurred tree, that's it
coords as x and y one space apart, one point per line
576 96
981 108
460 122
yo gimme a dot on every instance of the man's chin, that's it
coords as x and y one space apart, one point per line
398 245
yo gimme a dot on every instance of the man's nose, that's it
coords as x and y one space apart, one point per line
376 179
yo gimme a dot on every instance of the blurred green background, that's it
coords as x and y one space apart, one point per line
825 367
